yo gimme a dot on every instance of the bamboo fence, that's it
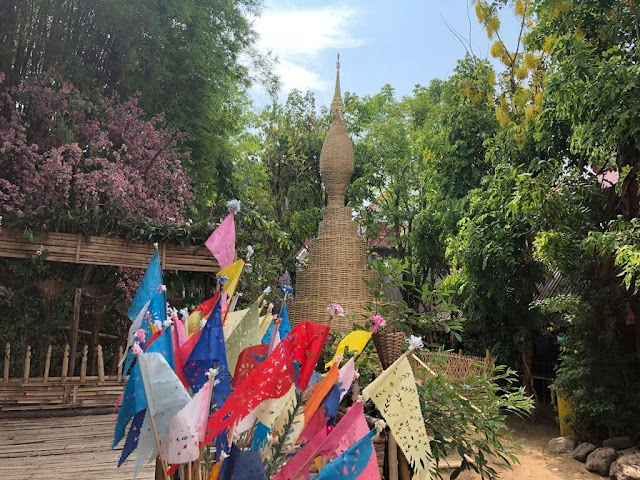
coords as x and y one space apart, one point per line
75 248
46 392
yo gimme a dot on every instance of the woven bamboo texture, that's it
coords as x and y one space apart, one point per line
389 345
456 366
75 248
336 161
337 268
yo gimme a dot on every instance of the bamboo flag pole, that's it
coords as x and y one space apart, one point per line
143 376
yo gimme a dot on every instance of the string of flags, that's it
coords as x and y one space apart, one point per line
217 393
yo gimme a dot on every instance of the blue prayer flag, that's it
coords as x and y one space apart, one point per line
134 399
148 287
242 465
352 462
285 326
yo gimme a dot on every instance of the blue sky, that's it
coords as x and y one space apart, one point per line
402 42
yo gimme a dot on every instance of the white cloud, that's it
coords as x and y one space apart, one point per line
297 36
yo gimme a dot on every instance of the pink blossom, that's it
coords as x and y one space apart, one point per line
335 310
378 321
140 335
136 349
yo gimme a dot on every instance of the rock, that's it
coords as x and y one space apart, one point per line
628 451
582 451
626 467
600 460
561 445
618 443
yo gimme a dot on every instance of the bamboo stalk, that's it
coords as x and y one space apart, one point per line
47 364
7 358
27 365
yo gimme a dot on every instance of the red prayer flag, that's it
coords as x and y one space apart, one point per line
273 377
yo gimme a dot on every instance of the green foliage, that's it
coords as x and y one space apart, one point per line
469 417
599 378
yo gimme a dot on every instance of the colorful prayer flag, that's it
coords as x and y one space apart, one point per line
273 377
222 242
148 286
284 328
166 396
353 342
350 464
395 395
233 272
245 334
242 465
181 444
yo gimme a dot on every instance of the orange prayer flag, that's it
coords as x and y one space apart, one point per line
318 391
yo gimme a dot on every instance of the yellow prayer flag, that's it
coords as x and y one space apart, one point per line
355 341
233 271
194 322
318 462
395 395
246 333
266 321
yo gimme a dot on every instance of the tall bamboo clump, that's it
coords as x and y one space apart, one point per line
337 256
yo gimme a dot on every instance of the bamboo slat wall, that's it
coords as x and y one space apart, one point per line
75 248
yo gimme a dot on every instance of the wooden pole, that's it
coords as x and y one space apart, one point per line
65 363
7 359
75 324
100 364
27 365
47 364
120 353
83 364
405 472
393 457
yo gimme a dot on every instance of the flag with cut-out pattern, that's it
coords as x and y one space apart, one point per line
395 395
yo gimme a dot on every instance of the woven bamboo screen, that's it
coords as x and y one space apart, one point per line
75 248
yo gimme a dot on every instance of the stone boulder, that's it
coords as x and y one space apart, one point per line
618 443
600 460
561 445
582 451
626 467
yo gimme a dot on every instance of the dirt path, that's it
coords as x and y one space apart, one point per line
535 462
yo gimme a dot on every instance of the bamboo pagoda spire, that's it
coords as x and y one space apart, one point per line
337 256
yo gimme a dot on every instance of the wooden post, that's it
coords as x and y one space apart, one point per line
100 364
73 336
7 358
393 457
120 353
405 471
65 363
487 357
83 364
47 364
27 365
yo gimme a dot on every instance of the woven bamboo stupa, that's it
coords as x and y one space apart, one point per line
337 256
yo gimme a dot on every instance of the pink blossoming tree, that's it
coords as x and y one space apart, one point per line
58 148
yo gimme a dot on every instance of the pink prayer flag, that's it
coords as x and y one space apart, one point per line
179 335
351 428
181 444
222 242
346 376
318 422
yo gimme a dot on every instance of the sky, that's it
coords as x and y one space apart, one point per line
401 42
